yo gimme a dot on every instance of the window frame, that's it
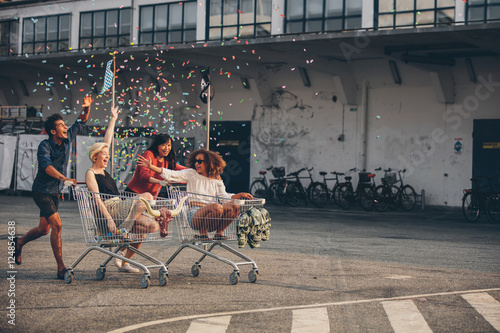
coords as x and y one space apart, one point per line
105 37
182 30
415 12
238 27
32 21
323 19
12 26
485 5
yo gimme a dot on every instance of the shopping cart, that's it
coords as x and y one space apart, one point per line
129 211
203 235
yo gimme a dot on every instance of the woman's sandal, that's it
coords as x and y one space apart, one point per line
202 238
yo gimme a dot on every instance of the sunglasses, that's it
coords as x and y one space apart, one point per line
198 161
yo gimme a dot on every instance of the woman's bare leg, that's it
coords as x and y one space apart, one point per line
230 212
207 218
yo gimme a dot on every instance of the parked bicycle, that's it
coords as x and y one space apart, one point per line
320 194
295 191
481 198
364 193
274 191
392 196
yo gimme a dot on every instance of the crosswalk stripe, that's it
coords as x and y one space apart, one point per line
405 317
310 321
487 306
210 325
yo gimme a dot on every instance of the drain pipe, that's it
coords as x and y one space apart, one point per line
363 121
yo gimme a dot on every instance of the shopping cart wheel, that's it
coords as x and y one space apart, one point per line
145 281
234 277
162 278
100 273
253 275
68 276
195 270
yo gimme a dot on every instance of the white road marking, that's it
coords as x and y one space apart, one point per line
399 277
405 317
487 306
292 307
310 321
210 325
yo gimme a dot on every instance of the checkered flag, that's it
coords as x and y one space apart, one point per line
108 77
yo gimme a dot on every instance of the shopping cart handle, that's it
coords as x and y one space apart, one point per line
163 183
68 183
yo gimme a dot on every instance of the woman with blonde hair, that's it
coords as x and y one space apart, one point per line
117 213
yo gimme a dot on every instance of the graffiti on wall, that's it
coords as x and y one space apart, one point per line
279 130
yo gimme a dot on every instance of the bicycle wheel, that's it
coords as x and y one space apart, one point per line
278 196
292 194
381 198
365 197
335 193
259 189
470 206
407 198
493 207
319 195
344 193
393 200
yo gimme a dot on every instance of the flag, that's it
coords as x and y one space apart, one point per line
205 83
108 78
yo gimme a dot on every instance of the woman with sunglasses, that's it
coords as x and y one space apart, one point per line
203 177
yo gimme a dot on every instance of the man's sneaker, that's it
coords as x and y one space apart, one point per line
128 269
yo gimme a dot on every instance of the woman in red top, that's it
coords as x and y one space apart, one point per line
160 154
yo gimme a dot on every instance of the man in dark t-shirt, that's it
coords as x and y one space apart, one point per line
53 157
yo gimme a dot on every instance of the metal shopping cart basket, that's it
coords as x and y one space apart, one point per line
129 212
203 235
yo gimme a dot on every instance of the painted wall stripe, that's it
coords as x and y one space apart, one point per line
310 321
487 306
210 325
405 317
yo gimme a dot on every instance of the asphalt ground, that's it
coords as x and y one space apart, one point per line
346 261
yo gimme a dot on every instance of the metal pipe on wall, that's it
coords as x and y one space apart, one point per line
363 121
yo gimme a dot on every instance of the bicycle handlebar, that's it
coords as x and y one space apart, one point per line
296 173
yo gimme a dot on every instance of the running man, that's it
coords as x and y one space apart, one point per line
53 157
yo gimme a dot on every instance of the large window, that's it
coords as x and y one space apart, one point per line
168 23
46 34
322 15
106 28
239 18
391 14
8 36
483 11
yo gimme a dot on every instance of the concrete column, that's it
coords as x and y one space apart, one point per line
201 19
277 19
367 12
459 12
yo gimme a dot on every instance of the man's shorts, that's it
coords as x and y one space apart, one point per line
48 203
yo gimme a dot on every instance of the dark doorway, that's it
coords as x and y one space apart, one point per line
232 140
486 148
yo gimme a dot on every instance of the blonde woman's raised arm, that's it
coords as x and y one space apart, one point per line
110 131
